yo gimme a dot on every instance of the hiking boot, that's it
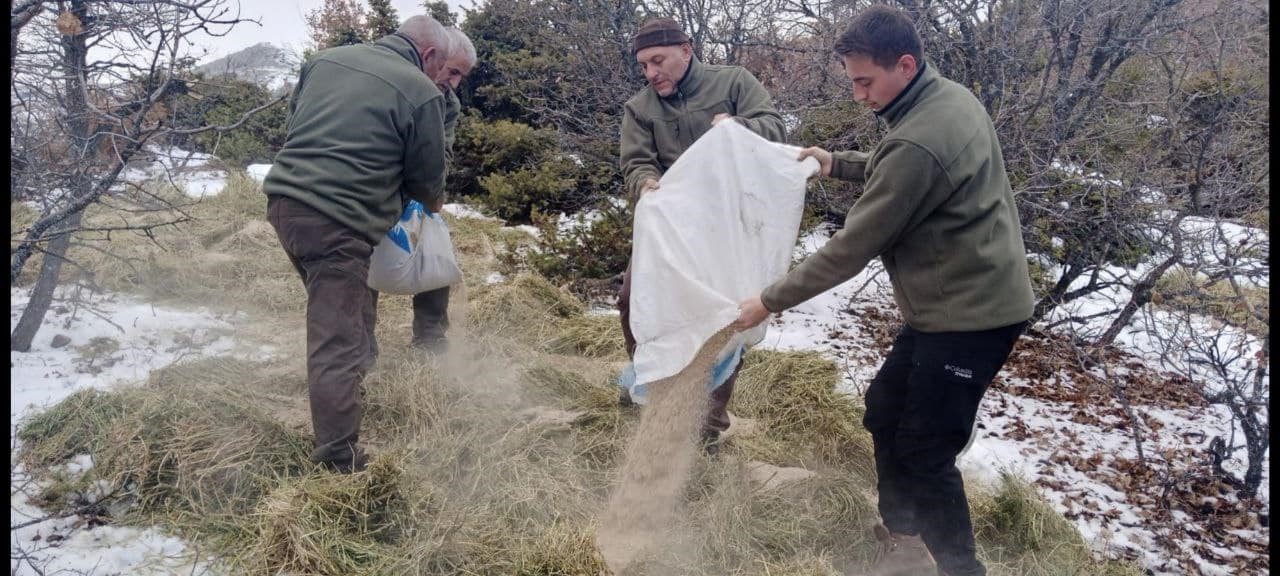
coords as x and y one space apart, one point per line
901 555
359 463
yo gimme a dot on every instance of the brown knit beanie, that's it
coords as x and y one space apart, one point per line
658 32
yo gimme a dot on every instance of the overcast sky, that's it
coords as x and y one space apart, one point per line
284 23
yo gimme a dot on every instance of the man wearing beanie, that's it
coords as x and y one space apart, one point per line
683 100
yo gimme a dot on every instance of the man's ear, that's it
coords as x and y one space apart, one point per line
908 65
686 50
428 53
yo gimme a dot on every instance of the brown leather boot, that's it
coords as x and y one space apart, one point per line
901 555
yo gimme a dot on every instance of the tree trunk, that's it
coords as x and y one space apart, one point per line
1140 297
1054 298
42 294
74 53
1257 430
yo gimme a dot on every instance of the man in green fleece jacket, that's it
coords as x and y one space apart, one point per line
683 100
938 211
365 133
431 308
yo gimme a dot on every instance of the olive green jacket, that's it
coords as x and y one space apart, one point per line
938 211
365 128
656 130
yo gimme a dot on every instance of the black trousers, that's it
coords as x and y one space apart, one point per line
921 408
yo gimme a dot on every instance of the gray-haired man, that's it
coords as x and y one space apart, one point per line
431 309
365 131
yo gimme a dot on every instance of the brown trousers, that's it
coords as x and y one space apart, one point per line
430 317
718 415
333 262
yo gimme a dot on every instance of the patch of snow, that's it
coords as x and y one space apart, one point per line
1196 337
258 171
202 184
59 546
78 464
465 211
190 171
567 224
830 323
142 338
790 121
279 80
527 229
494 278
1218 245
1073 169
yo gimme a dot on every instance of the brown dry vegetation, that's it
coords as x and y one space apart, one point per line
464 479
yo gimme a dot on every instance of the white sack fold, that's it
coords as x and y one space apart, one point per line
720 228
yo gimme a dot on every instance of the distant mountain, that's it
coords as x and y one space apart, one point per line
264 63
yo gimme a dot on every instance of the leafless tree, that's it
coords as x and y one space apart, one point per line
92 80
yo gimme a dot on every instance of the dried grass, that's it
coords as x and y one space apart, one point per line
1020 533
807 422
462 482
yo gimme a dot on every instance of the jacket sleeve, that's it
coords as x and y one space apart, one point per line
849 166
636 152
424 154
754 108
897 191
452 107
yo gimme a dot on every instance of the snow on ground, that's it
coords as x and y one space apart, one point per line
570 223
190 171
258 171
465 211
110 339
1075 462
1219 244
527 229
828 323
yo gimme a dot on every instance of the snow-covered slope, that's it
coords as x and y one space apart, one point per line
1052 423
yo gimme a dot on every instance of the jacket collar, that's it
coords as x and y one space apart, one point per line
402 45
907 99
688 86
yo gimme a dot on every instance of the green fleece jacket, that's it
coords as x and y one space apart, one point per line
938 211
365 127
656 130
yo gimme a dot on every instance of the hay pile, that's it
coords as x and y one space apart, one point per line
465 479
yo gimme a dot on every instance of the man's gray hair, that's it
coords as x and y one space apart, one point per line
458 41
426 32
